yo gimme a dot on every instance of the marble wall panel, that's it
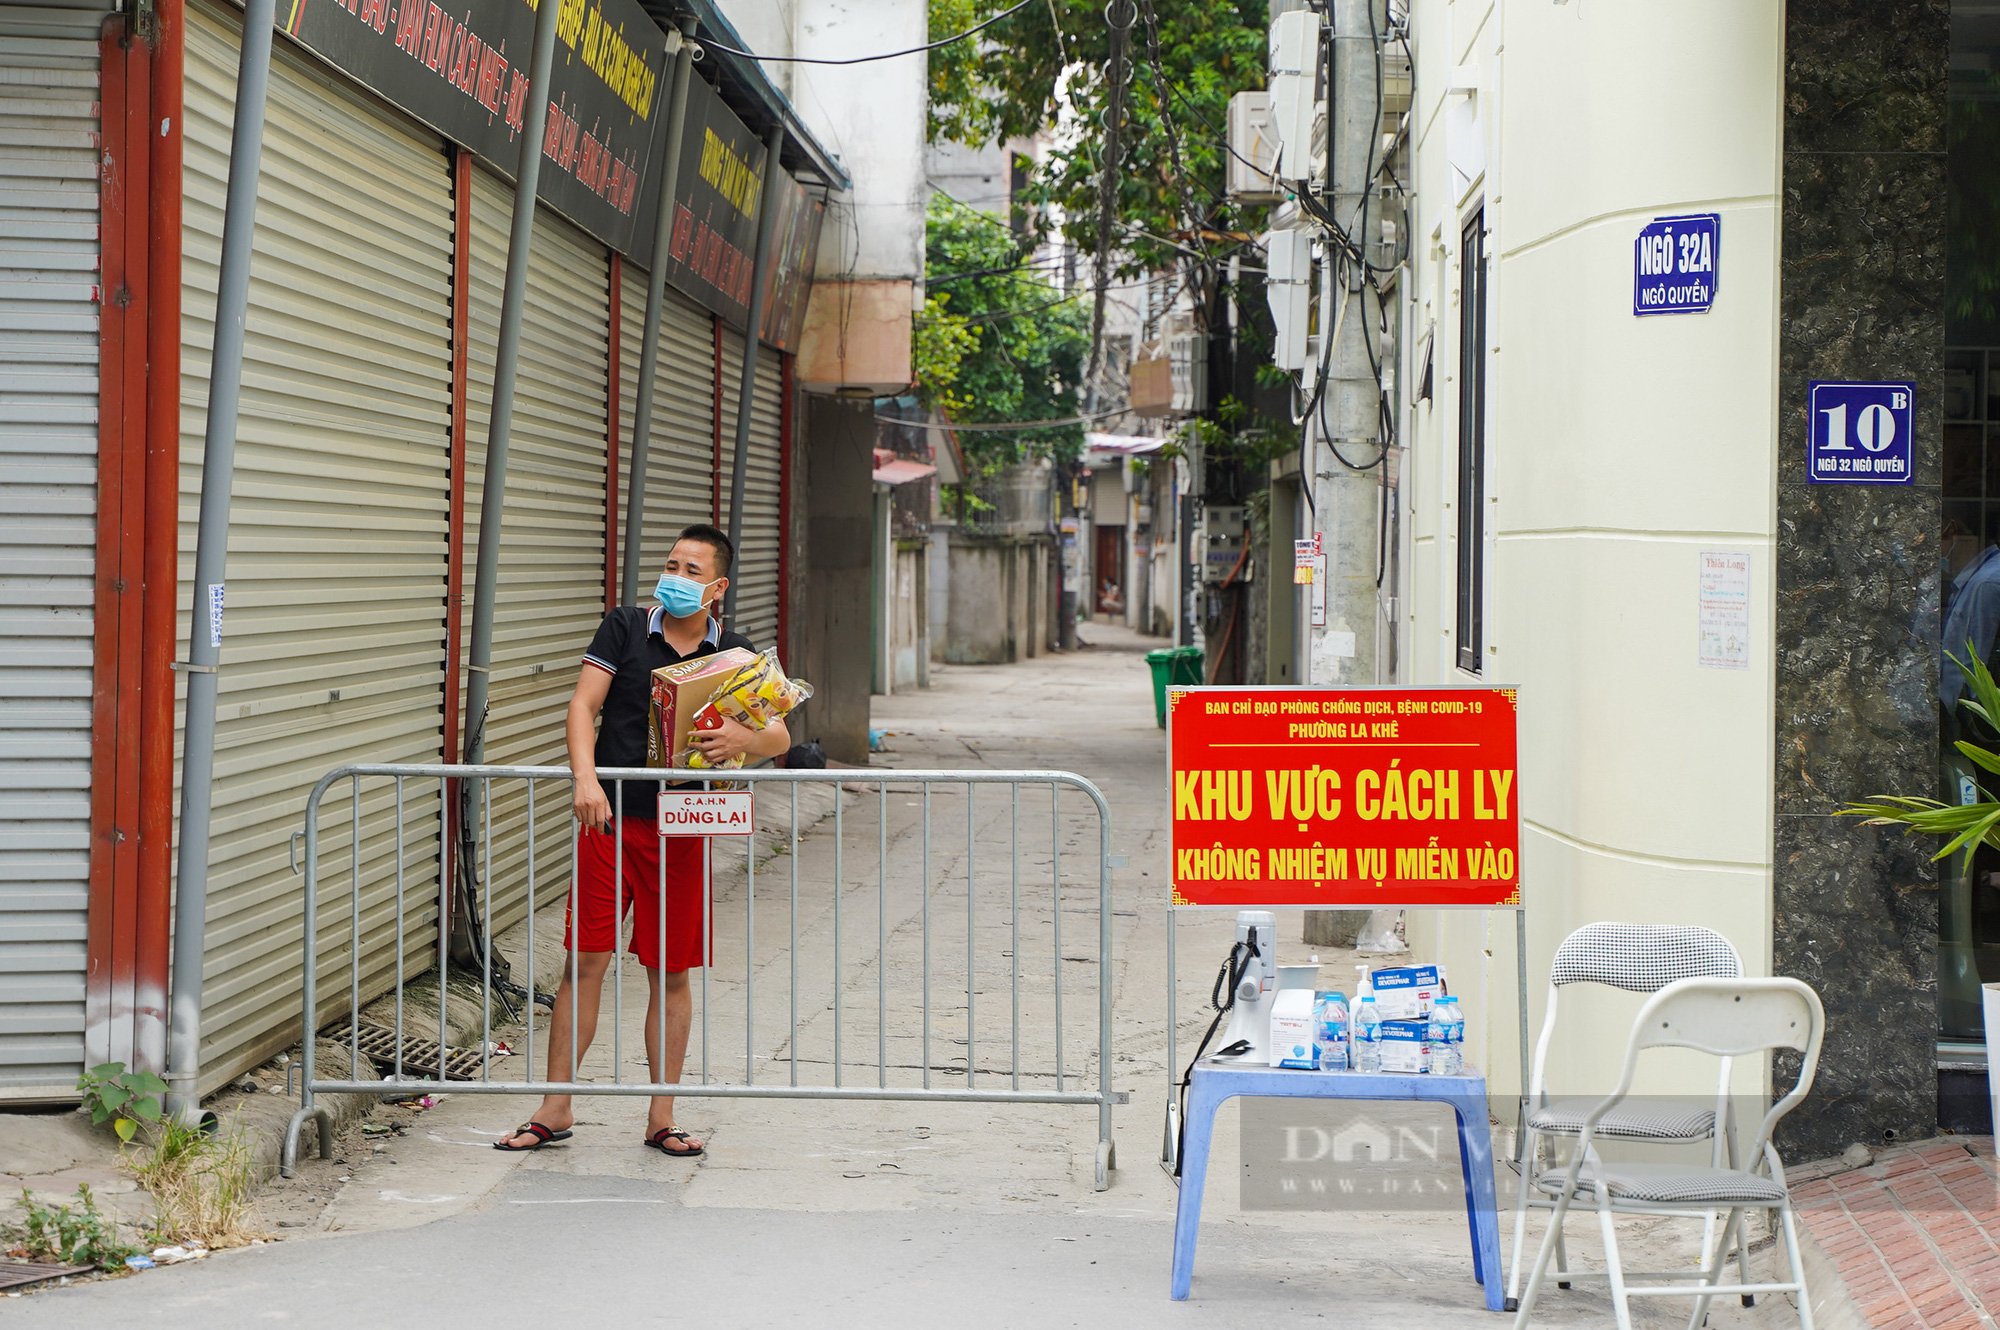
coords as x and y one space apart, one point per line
1861 297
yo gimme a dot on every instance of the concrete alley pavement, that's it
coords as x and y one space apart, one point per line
851 1213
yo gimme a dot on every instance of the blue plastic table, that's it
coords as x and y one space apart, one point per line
1217 1081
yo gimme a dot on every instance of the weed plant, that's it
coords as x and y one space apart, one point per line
200 1184
79 1234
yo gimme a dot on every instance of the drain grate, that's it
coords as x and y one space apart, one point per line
18 1274
420 1056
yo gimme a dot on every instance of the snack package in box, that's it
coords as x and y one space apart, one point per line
679 691
758 693
753 696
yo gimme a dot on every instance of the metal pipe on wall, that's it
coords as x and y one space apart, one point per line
656 302
760 281
506 360
232 301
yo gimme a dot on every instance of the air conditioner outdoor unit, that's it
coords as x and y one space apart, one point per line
1253 149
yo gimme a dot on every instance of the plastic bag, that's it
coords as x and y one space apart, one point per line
1379 933
756 694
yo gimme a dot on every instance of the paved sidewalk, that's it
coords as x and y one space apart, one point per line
1915 1235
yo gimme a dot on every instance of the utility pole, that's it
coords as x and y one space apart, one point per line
1118 16
1346 422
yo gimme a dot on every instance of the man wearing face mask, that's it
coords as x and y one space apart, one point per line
616 683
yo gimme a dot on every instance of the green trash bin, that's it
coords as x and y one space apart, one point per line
1172 667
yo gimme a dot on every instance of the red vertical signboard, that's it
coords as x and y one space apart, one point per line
1338 797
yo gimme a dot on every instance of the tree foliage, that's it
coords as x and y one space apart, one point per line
1003 345
1024 74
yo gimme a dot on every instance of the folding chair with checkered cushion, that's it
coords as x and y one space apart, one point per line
1639 958
1726 1018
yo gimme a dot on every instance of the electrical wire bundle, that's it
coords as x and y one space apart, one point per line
1351 256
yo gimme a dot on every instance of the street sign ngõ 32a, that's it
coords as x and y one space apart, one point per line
1674 262
707 813
1860 433
1338 797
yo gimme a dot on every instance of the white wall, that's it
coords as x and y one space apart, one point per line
872 117
1619 449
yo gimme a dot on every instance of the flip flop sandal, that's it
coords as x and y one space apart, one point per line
658 1139
543 1136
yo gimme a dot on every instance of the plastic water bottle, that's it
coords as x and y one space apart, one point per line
1367 1037
1447 1038
1331 1034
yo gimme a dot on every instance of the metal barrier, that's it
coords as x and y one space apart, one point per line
1022 918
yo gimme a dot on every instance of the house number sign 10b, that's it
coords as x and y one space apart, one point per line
1860 433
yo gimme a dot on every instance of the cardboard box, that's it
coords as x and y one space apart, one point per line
1405 993
679 691
1406 1046
1294 1034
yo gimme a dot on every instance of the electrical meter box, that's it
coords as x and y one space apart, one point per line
1222 542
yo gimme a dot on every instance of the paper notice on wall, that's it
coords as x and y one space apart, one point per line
1722 599
1305 556
1319 591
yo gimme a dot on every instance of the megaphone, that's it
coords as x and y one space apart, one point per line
1255 969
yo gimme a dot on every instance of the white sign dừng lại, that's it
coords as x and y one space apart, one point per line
706 813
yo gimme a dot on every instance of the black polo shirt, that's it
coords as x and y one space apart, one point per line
629 647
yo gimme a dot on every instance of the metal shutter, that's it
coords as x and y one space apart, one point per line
48 532
334 643
551 593
761 555
679 476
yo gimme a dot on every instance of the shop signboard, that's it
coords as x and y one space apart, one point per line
1860 433
1344 797
1674 262
464 72
712 252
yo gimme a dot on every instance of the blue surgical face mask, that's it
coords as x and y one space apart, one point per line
681 596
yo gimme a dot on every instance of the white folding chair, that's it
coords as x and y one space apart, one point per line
1728 1018
1639 958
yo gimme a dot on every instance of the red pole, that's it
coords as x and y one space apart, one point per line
785 460
715 470
120 587
160 552
461 447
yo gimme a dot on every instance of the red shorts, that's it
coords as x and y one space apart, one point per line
662 883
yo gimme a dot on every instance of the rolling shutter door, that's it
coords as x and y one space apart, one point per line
333 647
48 533
551 593
761 555
679 480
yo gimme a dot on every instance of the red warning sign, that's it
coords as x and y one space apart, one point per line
1344 797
